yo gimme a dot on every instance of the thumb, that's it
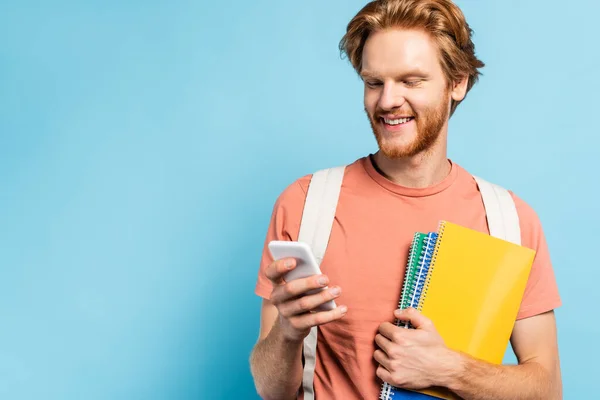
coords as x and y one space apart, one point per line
415 318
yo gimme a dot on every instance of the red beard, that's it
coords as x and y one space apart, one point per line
429 126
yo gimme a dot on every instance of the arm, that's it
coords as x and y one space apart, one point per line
536 377
286 319
276 363
417 359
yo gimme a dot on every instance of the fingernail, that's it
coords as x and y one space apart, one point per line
343 309
322 281
335 291
288 264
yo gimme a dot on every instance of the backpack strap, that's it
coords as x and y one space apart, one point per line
501 212
315 229
319 209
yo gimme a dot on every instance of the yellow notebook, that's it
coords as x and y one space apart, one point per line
473 292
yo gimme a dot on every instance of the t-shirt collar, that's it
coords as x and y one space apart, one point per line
408 191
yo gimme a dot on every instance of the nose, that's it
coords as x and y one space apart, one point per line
392 96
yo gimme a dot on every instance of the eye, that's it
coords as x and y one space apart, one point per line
373 84
413 83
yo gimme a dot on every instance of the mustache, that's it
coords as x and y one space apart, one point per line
394 114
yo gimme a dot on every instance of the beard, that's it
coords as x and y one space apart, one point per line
429 124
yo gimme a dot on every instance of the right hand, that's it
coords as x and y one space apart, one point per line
296 315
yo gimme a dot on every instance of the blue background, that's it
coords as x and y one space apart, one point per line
143 144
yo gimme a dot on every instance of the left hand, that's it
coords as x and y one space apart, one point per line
412 358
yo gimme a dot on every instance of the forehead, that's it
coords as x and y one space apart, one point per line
393 51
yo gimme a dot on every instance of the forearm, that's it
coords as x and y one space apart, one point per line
478 380
276 366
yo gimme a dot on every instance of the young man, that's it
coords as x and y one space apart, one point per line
417 61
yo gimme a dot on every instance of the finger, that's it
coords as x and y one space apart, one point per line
384 374
306 321
308 303
395 334
417 320
298 287
277 269
390 331
384 343
382 359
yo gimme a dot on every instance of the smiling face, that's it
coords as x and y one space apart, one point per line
406 95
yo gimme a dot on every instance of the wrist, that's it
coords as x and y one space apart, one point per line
454 367
287 339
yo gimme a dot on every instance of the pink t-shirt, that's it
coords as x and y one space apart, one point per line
366 256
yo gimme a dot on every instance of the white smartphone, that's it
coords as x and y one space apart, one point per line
306 264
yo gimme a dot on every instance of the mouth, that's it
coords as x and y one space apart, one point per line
396 125
396 121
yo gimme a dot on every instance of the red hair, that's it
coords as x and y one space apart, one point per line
442 19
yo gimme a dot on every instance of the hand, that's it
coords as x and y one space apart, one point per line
412 358
296 308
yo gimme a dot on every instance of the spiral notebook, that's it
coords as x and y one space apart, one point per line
419 261
484 278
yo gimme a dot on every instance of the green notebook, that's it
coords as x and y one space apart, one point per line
412 269
417 270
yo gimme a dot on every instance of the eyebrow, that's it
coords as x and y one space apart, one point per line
416 73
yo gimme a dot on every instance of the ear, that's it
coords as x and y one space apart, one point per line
459 89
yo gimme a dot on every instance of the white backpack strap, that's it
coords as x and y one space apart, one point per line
315 229
319 209
501 212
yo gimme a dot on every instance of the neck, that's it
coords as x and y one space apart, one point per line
418 171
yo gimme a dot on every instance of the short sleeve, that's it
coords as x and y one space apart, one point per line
541 292
284 225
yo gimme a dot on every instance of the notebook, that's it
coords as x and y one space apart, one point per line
416 274
414 271
419 261
472 293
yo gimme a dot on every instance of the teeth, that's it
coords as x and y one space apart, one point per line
396 121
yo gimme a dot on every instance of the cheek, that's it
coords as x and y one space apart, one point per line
421 101
371 99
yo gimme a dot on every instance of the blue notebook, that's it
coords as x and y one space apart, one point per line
420 255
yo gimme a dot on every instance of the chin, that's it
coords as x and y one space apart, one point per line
396 153
396 149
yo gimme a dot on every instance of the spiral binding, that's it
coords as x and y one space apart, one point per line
441 229
386 392
387 389
413 289
412 255
416 289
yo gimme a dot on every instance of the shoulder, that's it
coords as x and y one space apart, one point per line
295 193
525 210
529 222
